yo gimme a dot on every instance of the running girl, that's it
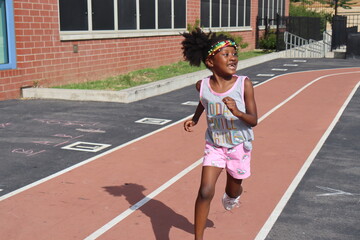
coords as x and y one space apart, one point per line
230 107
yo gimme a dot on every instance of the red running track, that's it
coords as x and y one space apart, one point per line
146 189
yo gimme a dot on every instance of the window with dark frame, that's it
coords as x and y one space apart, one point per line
73 15
225 13
147 14
103 14
215 13
204 13
164 16
241 21
269 9
170 14
126 14
179 13
233 13
248 10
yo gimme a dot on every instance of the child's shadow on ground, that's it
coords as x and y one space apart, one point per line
162 217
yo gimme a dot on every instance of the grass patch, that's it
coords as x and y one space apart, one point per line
147 75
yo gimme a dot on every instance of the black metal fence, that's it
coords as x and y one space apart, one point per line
353 19
304 27
343 29
352 46
342 26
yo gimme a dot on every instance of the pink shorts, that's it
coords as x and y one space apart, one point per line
235 160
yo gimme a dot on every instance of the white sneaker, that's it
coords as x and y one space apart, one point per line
229 203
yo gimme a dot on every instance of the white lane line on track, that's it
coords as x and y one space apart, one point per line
262 234
139 204
300 90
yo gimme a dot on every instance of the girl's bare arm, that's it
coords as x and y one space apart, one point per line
188 124
250 116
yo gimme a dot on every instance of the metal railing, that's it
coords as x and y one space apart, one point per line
327 37
297 47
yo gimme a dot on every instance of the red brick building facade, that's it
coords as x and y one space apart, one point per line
44 54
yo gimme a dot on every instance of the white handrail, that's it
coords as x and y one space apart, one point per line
300 47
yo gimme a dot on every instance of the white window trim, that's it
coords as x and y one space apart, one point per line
237 11
229 29
106 34
73 35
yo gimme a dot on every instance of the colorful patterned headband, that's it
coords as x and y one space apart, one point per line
218 46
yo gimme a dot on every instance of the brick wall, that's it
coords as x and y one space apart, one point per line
43 60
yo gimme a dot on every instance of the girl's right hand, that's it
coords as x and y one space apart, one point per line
188 124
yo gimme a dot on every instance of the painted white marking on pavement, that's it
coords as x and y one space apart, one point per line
90 130
262 234
86 146
265 75
155 121
290 65
333 192
190 103
299 60
279 69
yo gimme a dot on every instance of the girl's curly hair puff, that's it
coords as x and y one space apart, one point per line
196 45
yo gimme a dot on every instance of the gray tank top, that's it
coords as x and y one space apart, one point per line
224 129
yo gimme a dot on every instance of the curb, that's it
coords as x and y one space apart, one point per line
139 92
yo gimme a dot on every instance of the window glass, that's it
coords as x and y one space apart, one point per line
164 13
103 14
73 15
205 10
260 5
147 14
215 13
225 13
283 8
241 13
3 35
248 12
120 14
266 13
261 12
233 13
180 14
127 14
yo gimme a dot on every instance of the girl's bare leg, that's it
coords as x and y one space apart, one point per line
209 177
233 186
